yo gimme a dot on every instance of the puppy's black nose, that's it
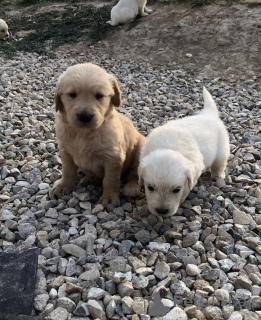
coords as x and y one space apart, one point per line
162 210
84 117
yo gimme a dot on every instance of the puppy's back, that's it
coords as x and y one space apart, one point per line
124 12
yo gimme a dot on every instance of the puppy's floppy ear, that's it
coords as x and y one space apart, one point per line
116 98
58 100
190 179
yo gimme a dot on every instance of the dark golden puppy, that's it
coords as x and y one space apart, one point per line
92 135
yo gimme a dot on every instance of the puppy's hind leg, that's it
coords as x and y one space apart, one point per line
132 188
218 169
147 10
142 8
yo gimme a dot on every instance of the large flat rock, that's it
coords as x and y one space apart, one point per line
17 282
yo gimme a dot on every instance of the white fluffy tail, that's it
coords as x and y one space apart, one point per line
210 107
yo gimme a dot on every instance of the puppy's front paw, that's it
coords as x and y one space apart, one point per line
131 189
110 201
149 10
144 14
218 174
61 187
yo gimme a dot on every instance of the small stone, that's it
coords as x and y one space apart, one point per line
127 207
96 310
127 303
213 313
125 247
53 293
157 246
95 293
140 282
243 294
40 301
71 268
226 264
143 236
162 270
66 303
81 310
235 316
42 236
90 275
222 295
136 263
240 217
72 288
189 240
175 313
125 288
110 309
140 305
110 287
43 186
74 250
192 270
244 282
58 314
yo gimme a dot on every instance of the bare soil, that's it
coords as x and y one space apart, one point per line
224 39
219 40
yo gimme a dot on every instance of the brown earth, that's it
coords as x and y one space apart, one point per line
224 39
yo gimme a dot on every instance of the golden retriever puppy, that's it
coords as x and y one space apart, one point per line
4 34
93 136
175 154
125 11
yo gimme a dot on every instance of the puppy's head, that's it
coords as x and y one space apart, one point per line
164 174
4 34
86 95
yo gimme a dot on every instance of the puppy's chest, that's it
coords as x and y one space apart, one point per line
88 155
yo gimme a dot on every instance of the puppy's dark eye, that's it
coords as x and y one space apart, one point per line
3 30
177 190
99 96
73 95
151 188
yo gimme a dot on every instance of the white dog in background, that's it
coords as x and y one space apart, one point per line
125 11
175 154
4 34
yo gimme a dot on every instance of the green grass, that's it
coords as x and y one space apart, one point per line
56 28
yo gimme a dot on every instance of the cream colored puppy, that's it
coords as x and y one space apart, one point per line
125 11
175 154
93 136
4 34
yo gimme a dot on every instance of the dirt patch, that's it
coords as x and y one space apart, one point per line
218 40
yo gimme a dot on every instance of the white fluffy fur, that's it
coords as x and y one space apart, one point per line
125 11
4 34
175 154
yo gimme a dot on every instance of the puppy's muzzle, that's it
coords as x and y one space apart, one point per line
84 117
162 210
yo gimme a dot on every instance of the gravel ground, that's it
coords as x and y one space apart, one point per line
204 262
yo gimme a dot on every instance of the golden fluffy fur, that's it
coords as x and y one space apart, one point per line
93 136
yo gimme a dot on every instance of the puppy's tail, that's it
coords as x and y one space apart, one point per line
210 107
